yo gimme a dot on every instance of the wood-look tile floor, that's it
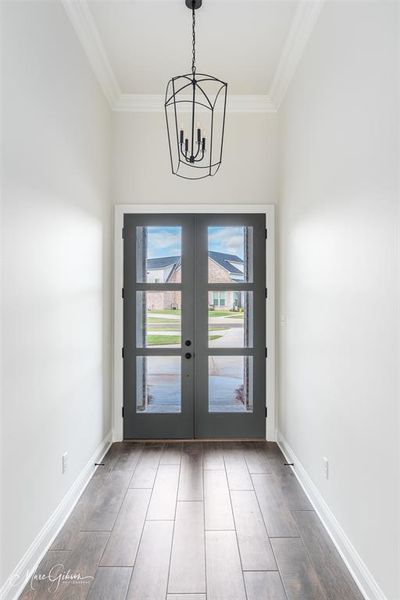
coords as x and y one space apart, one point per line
193 521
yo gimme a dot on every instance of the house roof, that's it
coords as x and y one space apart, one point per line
221 258
162 263
225 260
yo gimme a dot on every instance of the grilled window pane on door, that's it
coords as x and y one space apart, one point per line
230 254
158 254
230 325
158 319
230 384
158 384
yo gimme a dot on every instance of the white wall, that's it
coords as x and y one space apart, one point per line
339 295
141 171
55 282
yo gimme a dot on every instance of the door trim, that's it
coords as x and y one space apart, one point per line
119 212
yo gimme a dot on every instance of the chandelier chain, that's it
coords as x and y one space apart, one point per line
195 141
193 39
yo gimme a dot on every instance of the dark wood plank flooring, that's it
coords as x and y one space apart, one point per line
192 521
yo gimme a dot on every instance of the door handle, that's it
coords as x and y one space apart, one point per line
188 343
188 355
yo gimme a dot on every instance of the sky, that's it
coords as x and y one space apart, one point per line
166 241
226 239
163 241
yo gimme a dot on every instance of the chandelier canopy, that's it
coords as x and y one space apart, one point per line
195 107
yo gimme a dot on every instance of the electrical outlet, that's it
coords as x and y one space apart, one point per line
325 467
64 462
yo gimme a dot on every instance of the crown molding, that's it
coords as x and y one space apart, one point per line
300 31
85 28
253 103
256 103
302 25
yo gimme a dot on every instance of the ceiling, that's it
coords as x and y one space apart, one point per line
148 41
136 46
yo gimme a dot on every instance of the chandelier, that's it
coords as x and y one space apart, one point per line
195 107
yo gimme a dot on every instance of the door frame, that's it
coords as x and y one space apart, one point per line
270 371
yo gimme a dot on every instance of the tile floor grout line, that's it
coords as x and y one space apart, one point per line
260 570
133 470
204 524
259 508
111 530
265 525
272 548
234 523
119 510
173 529
144 524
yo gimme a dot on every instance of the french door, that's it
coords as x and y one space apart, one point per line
194 326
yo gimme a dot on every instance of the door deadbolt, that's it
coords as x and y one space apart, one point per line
188 355
188 343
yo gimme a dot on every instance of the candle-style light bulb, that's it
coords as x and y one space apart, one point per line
186 146
198 136
203 144
181 136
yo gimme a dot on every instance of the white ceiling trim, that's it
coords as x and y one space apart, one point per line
84 25
256 103
299 33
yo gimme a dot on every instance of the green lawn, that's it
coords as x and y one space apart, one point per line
176 327
158 320
166 311
164 325
160 340
164 340
211 313
225 313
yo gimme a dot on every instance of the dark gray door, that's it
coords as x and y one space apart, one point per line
230 326
158 320
194 326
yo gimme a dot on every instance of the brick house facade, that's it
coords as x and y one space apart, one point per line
221 268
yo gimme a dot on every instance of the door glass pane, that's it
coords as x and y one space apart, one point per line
230 254
158 254
158 319
230 319
230 384
158 388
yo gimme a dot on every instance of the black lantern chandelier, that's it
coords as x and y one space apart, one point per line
195 107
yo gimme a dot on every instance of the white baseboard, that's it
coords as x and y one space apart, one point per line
358 569
16 582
